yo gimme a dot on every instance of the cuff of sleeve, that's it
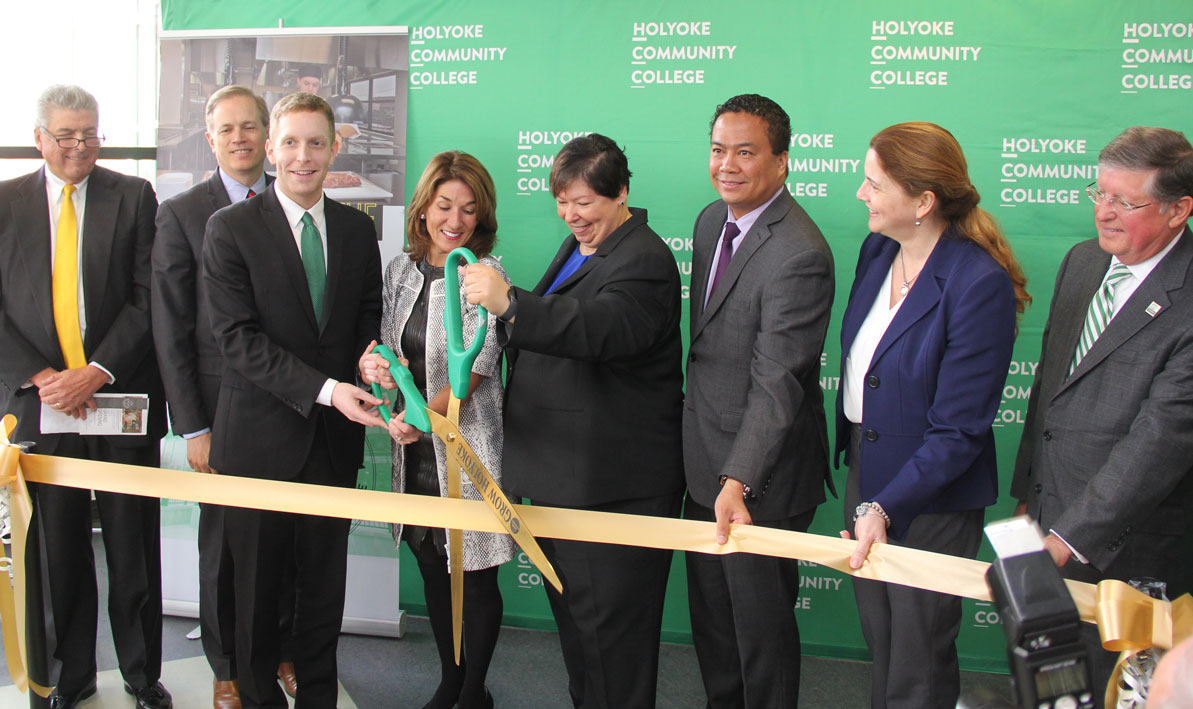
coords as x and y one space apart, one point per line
1076 554
196 434
325 393
100 367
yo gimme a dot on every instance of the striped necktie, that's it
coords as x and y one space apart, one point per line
1101 309
312 262
65 283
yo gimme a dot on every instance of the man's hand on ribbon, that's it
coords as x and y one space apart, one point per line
730 508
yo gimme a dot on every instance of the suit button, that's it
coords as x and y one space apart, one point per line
1047 435
872 381
692 357
1039 488
871 435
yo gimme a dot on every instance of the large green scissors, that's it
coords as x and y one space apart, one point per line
460 456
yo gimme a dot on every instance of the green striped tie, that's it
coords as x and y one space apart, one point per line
312 262
1101 309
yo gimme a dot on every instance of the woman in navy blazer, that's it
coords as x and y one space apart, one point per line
925 345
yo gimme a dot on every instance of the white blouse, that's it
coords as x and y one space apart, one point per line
857 362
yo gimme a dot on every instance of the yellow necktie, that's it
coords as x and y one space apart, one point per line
66 283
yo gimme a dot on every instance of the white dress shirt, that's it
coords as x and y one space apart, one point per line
294 213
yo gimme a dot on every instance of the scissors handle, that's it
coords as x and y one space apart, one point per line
460 360
416 405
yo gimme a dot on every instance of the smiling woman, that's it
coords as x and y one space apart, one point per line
592 414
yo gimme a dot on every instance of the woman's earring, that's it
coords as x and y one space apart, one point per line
917 222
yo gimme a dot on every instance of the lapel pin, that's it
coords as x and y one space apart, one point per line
1153 309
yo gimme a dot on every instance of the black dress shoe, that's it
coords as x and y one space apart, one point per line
59 700
154 696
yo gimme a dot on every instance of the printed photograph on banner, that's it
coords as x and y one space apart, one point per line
363 73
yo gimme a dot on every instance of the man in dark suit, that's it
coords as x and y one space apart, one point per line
1104 462
237 125
74 322
754 432
291 330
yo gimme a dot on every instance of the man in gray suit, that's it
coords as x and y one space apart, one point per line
1106 452
755 442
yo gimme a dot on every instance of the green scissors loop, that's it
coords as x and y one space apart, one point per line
460 360
416 405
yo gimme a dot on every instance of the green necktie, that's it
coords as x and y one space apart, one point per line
1101 309
312 262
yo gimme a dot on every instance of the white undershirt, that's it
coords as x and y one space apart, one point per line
857 362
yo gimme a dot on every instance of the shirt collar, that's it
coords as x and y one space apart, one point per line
746 221
236 191
294 212
56 183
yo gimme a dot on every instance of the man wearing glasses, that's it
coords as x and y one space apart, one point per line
74 322
1106 452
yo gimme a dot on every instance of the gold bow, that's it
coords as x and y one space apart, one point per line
1130 621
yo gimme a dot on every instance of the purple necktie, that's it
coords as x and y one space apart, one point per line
731 232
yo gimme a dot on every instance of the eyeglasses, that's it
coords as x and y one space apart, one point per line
70 143
1097 196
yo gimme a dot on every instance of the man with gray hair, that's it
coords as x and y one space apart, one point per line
1104 463
74 325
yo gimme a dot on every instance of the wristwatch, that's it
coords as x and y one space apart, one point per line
747 493
512 310
871 508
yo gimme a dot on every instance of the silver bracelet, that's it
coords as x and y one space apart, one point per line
871 508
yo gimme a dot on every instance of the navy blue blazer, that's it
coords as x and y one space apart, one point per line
935 382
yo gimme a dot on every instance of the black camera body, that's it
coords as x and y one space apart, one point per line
1049 663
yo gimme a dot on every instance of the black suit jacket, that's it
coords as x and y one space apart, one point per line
276 354
117 238
754 408
186 348
592 411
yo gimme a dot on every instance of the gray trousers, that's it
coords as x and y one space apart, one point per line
912 634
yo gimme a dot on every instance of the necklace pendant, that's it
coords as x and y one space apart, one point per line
903 289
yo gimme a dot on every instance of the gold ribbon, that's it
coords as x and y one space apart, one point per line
1125 619
12 595
1130 621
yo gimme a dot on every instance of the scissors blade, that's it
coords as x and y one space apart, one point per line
461 457
455 537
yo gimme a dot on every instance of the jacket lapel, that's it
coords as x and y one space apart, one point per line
922 298
751 242
862 299
1167 276
332 213
707 233
217 195
99 233
283 245
33 250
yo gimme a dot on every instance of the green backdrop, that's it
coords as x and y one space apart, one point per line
1031 89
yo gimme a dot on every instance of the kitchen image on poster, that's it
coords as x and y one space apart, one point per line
363 74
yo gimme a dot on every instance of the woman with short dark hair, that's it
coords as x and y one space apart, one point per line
592 417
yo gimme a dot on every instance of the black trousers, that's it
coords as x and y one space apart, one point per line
610 614
743 621
132 547
912 634
217 597
264 544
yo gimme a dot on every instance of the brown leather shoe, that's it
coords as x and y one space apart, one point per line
289 681
225 695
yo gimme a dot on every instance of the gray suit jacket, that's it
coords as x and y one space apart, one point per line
754 409
1106 452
